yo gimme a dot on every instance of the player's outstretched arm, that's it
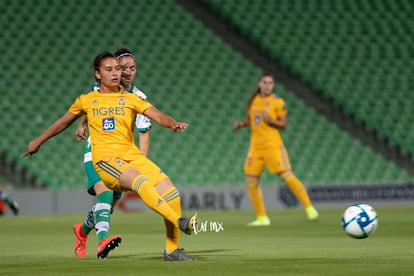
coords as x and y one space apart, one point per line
57 127
164 120
240 124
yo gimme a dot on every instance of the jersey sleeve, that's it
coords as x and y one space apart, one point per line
281 107
77 107
141 122
87 151
140 93
140 105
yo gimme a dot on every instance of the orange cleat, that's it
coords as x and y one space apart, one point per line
80 242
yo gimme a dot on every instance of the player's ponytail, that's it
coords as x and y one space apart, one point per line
251 97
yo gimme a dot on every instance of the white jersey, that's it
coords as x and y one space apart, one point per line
141 122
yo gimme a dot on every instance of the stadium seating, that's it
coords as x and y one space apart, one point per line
186 71
357 52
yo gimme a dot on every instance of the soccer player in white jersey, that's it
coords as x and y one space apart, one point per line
6 200
99 215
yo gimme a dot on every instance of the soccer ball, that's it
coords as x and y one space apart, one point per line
359 221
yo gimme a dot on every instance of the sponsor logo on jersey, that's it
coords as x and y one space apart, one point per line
257 120
121 101
108 124
95 101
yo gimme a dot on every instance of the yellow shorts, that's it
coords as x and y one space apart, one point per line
110 171
276 160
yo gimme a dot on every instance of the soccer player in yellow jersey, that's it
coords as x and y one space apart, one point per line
99 216
266 114
121 165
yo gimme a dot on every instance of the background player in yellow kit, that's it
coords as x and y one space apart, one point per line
121 165
266 114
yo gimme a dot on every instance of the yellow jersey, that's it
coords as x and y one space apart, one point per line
111 119
263 135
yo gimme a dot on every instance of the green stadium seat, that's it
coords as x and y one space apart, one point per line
204 81
376 46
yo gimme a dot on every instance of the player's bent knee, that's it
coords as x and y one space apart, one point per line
285 174
127 177
100 187
163 186
252 179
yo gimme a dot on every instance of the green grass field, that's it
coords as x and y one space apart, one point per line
42 245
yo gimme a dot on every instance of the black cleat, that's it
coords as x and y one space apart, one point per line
178 255
15 208
187 225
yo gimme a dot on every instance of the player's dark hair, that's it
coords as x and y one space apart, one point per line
257 90
122 52
98 60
